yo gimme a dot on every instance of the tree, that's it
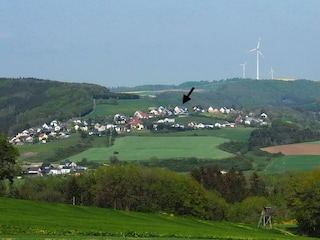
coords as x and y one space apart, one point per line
130 187
8 155
73 190
257 186
249 210
234 186
210 178
307 205
218 208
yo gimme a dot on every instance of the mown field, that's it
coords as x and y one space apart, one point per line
22 219
300 157
293 162
296 149
132 148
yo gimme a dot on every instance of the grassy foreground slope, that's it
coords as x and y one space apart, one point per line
21 219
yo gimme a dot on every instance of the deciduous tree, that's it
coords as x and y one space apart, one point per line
257 186
8 156
307 204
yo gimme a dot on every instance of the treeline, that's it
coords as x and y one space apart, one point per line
207 194
232 186
154 87
291 195
239 163
281 133
116 96
121 187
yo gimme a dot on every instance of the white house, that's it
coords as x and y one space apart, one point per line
213 110
166 120
263 115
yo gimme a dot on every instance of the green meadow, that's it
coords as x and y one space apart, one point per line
30 220
130 148
123 106
293 162
39 151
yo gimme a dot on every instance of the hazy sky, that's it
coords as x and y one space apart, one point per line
134 42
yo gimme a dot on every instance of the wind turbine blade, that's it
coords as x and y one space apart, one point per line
252 50
258 45
260 53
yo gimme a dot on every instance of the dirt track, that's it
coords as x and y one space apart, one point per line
295 149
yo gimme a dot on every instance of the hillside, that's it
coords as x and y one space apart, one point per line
20 219
27 102
248 93
297 101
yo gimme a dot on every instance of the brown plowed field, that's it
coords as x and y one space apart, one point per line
295 149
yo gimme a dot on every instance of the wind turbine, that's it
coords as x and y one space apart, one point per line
272 72
257 50
243 69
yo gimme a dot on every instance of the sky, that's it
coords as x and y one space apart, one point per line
117 43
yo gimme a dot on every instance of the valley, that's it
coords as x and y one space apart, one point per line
208 154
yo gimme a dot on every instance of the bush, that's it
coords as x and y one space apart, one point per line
249 210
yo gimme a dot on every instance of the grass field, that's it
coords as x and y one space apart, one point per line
132 148
293 162
31 220
39 151
236 134
126 107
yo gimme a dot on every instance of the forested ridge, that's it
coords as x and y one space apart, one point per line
281 133
298 100
28 102
245 93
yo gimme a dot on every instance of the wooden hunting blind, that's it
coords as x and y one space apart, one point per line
265 218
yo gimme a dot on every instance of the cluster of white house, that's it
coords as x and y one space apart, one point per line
49 169
53 129
122 123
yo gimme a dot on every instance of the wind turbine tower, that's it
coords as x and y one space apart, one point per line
243 69
257 50
272 72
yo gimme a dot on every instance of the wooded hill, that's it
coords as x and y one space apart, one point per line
244 92
297 101
249 93
28 102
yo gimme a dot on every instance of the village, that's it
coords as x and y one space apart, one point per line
121 123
